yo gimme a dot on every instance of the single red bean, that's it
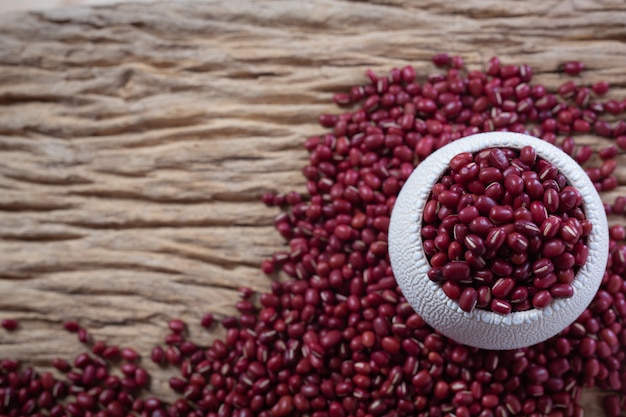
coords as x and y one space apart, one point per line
553 248
542 299
484 204
430 212
551 200
562 290
528 155
421 379
550 227
517 242
495 238
573 67
587 347
441 59
475 244
449 198
526 227
71 326
456 270
468 299
129 354
489 175
391 345
501 306
481 226
331 339
501 214
600 88
474 261
534 188
498 159
9 324
513 184
518 295
484 296
451 289
502 287
542 267
460 160
490 401
467 214
571 230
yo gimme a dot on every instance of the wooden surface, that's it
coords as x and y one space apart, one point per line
136 140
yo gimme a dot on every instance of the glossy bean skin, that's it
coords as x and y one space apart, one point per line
511 213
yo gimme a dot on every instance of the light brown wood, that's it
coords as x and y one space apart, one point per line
137 139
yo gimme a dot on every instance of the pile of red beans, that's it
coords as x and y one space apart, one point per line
504 231
337 338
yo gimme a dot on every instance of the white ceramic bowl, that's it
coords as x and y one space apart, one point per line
481 328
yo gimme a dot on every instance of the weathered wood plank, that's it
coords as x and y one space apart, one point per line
136 140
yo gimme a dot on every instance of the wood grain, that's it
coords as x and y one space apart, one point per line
137 139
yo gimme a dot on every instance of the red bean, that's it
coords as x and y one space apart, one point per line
495 238
484 204
573 67
600 88
9 324
421 379
551 200
609 337
518 295
481 226
517 242
489 175
548 172
468 299
501 214
501 306
571 230
562 290
71 326
534 188
430 212
542 299
475 244
456 270
550 227
542 267
331 339
526 227
129 354
553 248
467 214
514 184
503 287
587 347
449 198
460 160
451 289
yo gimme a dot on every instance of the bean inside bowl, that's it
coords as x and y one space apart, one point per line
504 231
446 300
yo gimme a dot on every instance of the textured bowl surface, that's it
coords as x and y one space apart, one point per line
481 328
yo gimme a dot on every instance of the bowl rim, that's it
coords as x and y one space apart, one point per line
478 327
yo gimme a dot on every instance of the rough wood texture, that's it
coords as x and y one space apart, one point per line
136 140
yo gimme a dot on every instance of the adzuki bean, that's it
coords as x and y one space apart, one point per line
520 230
337 338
